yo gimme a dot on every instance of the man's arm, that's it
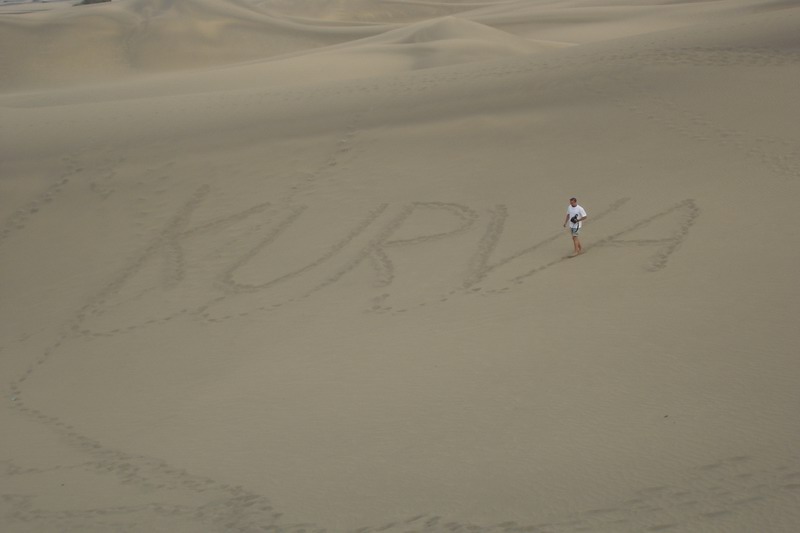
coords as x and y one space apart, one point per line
566 219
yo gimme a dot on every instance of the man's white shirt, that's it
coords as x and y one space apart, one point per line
577 210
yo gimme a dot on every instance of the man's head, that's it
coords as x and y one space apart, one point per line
573 201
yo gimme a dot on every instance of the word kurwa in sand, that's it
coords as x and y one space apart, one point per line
202 270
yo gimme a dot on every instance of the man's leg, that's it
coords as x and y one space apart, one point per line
576 243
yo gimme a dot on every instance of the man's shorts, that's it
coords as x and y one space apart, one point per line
575 231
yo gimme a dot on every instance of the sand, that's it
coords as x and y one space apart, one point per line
297 266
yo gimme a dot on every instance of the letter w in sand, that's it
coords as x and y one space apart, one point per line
641 233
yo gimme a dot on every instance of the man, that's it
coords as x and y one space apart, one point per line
575 216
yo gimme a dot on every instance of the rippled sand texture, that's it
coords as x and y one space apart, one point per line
296 266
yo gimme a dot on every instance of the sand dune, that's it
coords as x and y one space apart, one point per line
300 266
121 39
